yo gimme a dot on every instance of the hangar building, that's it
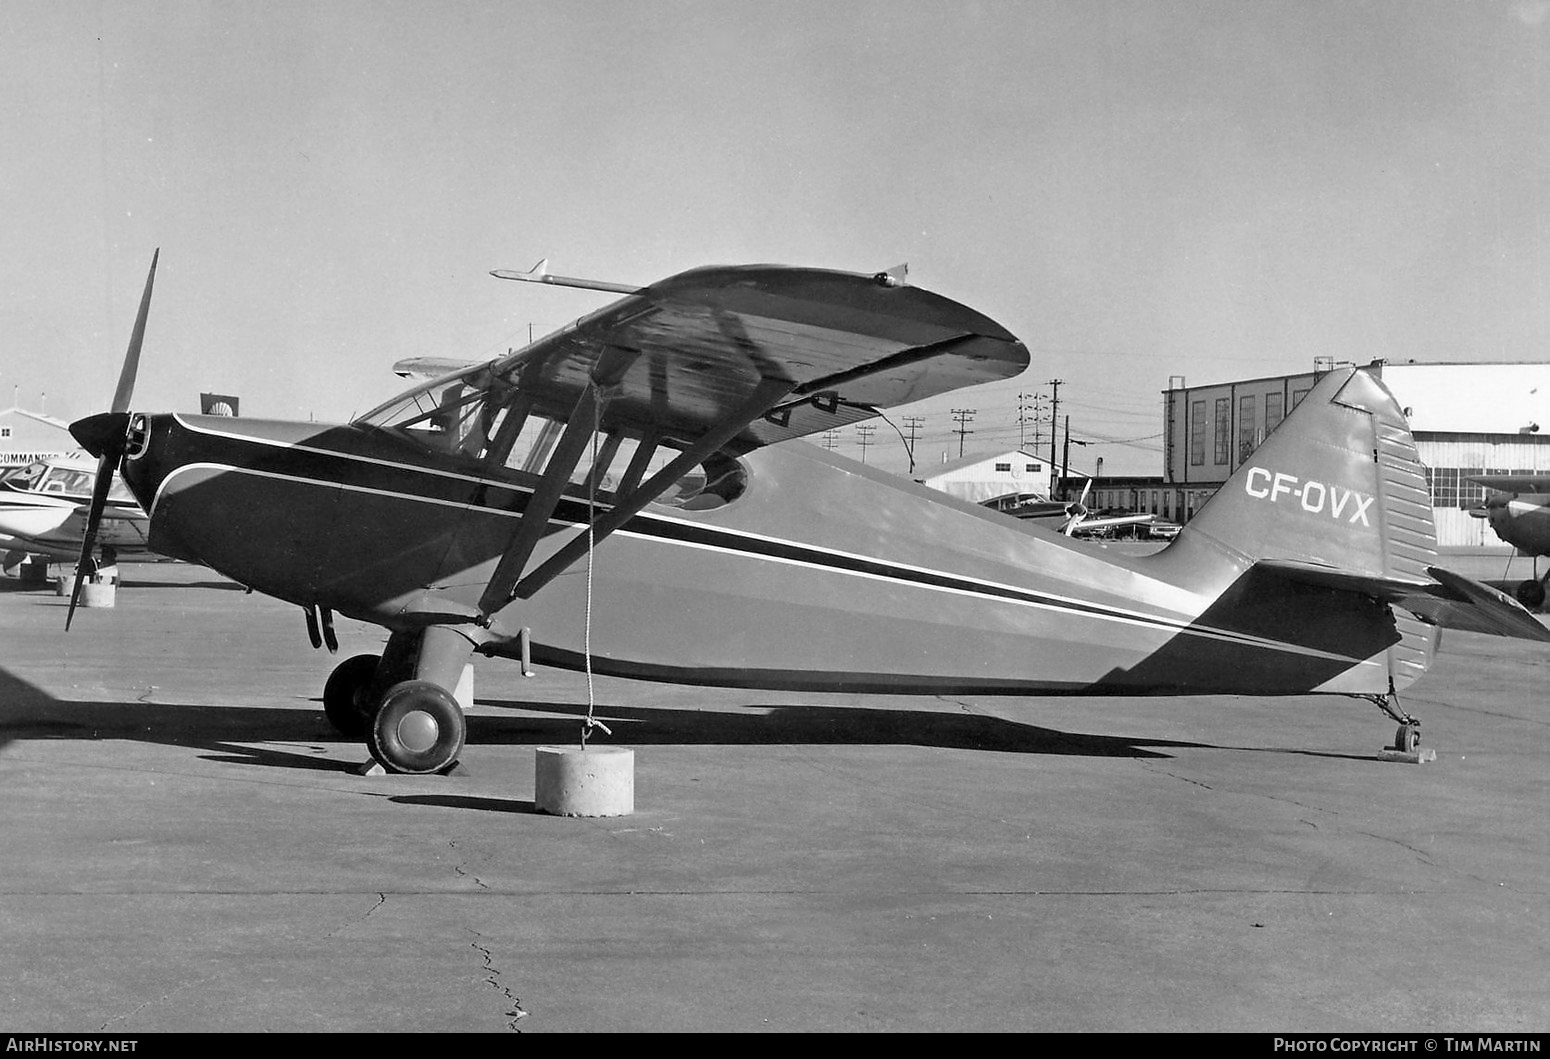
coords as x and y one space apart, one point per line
1468 419
981 478
26 437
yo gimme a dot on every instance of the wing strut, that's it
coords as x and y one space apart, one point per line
562 462
765 394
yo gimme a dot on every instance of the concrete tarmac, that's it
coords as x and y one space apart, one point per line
187 849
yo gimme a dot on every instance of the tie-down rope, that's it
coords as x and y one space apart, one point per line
586 646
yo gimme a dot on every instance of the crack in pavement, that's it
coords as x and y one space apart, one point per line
492 978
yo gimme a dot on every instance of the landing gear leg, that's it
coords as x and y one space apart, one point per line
1407 737
419 727
1531 593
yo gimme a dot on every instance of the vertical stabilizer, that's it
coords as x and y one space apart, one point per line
1339 484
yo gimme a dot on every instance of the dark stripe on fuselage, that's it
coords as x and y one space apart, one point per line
357 458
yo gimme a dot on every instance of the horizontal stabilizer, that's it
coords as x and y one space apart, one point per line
1514 483
1448 600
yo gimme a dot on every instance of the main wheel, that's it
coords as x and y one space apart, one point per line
347 695
1407 738
1531 594
419 729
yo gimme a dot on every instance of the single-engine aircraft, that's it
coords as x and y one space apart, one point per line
619 484
44 507
1070 517
1518 508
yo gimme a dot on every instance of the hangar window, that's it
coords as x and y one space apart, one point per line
1275 404
1223 429
1247 438
1197 433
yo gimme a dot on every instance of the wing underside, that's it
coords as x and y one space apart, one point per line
683 355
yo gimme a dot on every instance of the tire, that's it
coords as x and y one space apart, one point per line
418 730
347 695
1531 594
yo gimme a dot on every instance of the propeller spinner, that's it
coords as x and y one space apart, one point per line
104 435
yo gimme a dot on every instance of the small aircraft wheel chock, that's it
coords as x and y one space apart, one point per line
419 729
1531 594
1407 738
347 695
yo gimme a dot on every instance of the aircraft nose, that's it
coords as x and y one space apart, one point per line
100 433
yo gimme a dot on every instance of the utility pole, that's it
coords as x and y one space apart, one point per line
831 438
1028 408
913 423
1054 412
1065 463
866 438
963 416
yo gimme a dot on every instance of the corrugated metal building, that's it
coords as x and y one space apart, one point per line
1468 419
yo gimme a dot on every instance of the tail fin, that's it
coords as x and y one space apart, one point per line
1339 483
1337 498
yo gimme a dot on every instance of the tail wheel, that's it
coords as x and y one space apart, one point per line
1531 594
419 729
347 699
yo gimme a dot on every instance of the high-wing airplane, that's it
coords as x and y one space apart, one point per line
1070 517
615 494
1518 509
44 507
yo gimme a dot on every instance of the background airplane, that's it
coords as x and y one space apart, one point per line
44 508
613 497
1518 508
1068 517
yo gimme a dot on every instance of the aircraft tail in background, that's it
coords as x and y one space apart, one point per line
1336 499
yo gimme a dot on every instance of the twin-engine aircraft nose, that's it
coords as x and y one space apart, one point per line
102 433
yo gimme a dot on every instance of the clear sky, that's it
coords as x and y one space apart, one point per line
1136 189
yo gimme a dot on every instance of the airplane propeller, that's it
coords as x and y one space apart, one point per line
1077 512
105 436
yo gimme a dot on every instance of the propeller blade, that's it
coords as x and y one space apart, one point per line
99 500
104 436
126 377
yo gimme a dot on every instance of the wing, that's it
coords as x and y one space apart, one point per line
684 355
710 360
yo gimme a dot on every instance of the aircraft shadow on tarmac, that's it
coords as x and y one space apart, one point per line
29 712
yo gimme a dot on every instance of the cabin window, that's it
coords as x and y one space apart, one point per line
25 477
476 414
1003 468
5 432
